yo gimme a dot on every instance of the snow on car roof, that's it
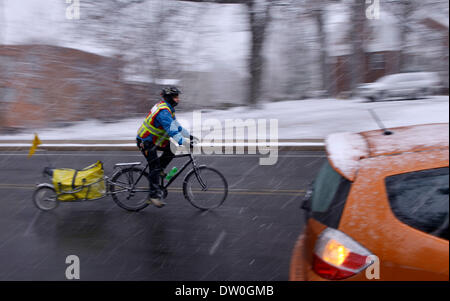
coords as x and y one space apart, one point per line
407 139
346 150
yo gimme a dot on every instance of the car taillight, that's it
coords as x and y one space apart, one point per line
337 256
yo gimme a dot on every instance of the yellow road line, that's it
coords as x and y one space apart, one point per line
17 186
291 192
255 193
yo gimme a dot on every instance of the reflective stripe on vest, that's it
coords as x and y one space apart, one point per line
148 125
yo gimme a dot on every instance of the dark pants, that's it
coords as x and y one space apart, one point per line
156 164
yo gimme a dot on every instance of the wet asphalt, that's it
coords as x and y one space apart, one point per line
250 237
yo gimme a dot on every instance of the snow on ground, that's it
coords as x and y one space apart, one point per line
299 119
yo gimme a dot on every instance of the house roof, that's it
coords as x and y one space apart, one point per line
142 78
346 150
45 48
440 19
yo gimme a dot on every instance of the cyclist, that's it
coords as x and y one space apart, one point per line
154 134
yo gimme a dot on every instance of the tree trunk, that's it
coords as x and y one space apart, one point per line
323 53
2 23
357 71
259 15
407 10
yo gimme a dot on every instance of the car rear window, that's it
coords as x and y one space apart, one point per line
420 200
330 191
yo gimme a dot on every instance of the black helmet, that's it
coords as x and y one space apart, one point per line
169 93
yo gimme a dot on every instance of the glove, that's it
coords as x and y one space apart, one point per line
186 142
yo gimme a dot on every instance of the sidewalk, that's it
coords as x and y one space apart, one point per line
300 125
129 145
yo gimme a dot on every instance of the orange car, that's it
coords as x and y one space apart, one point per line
378 208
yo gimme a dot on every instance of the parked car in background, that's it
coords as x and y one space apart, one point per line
379 194
411 85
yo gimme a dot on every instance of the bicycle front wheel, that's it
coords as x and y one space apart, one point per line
205 189
129 188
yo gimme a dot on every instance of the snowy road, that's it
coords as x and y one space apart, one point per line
250 238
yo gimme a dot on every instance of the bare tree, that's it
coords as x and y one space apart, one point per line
259 15
407 10
155 34
358 16
258 18
315 9
404 11
2 41
291 70
319 17
115 28
2 23
106 21
145 34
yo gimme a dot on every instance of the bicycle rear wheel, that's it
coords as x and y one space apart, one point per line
127 191
44 197
206 189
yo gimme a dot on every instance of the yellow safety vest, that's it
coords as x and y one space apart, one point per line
160 136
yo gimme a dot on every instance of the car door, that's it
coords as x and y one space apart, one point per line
398 209
406 85
399 85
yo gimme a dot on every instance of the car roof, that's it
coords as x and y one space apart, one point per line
346 150
423 74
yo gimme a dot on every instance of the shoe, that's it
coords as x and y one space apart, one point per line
156 202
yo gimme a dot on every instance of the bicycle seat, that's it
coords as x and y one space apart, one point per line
128 164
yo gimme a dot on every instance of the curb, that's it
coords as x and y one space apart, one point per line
127 145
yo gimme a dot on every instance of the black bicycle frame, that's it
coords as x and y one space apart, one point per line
191 160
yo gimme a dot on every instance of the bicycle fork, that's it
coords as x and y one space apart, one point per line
197 175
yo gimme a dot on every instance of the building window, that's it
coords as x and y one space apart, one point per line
7 94
7 65
35 96
377 61
34 63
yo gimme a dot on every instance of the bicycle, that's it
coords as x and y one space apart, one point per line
204 187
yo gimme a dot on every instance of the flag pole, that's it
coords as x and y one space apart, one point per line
36 142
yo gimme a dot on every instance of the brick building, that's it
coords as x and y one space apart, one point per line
439 25
42 85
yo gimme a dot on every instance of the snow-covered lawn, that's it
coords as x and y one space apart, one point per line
301 119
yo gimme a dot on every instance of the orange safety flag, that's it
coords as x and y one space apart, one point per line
35 144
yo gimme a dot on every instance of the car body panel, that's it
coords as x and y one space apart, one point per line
405 253
410 84
354 147
407 139
368 219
